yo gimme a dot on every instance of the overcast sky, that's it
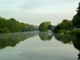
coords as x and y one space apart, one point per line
37 11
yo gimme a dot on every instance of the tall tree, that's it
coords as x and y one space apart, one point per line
78 9
76 18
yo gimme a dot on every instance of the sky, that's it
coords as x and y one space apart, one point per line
37 11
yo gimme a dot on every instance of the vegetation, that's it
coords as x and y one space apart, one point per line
70 26
12 25
76 18
64 26
74 32
45 26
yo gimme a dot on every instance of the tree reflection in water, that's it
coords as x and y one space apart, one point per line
76 43
66 39
12 39
44 36
69 39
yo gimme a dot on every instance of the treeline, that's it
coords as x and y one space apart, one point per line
66 26
12 25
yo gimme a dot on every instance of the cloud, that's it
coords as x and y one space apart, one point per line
38 4
32 4
27 5
37 11
9 5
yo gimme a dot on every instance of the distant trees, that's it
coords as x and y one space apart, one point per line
66 26
32 27
12 25
44 26
76 18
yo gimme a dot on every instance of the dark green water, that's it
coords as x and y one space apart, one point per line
38 46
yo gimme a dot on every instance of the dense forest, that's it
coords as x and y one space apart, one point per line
12 25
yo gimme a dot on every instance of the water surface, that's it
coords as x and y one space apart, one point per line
38 46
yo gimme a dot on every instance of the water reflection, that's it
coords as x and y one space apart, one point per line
76 43
12 39
68 39
45 36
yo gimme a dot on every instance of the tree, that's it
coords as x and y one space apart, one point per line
43 26
49 27
64 26
57 28
4 30
78 9
12 25
76 18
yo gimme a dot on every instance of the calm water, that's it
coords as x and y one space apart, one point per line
38 46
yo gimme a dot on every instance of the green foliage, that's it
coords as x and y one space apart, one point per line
76 18
74 32
32 27
76 21
57 28
4 30
64 26
43 26
49 27
78 9
12 25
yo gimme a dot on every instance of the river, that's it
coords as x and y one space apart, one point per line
38 46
